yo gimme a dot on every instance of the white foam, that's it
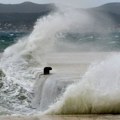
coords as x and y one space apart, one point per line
97 92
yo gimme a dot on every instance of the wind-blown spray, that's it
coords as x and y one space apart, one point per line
23 62
97 92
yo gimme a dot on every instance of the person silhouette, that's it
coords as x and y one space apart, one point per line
47 70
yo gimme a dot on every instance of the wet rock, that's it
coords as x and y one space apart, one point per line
1 85
2 74
22 97
47 70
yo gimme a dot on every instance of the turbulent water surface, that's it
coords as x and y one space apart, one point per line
65 44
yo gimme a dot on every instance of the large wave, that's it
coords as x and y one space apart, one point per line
23 62
97 92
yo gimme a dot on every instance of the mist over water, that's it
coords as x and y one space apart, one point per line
97 92
23 63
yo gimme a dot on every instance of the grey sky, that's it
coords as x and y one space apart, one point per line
78 3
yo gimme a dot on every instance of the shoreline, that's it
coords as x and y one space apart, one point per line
62 117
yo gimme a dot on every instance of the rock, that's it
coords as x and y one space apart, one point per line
47 70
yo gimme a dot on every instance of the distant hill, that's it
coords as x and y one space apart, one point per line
112 10
22 16
109 8
26 7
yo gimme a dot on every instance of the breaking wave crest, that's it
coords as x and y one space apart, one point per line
97 92
23 62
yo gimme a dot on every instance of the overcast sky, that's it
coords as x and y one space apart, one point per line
77 3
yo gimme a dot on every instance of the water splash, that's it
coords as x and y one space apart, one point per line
97 92
23 62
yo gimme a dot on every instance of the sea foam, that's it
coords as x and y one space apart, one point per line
97 92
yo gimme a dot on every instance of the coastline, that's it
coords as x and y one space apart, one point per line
62 117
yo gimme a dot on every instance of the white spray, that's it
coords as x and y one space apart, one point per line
23 62
97 92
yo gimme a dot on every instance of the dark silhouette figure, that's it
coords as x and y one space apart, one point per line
47 70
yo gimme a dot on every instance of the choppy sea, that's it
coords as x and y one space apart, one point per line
9 38
71 41
65 43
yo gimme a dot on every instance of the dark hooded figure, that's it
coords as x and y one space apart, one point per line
47 70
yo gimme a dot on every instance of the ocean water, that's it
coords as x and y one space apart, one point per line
85 76
71 42
89 42
9 38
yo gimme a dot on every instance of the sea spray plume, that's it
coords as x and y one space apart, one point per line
95 35
32 50
45 31
23 61
98 92
76 3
